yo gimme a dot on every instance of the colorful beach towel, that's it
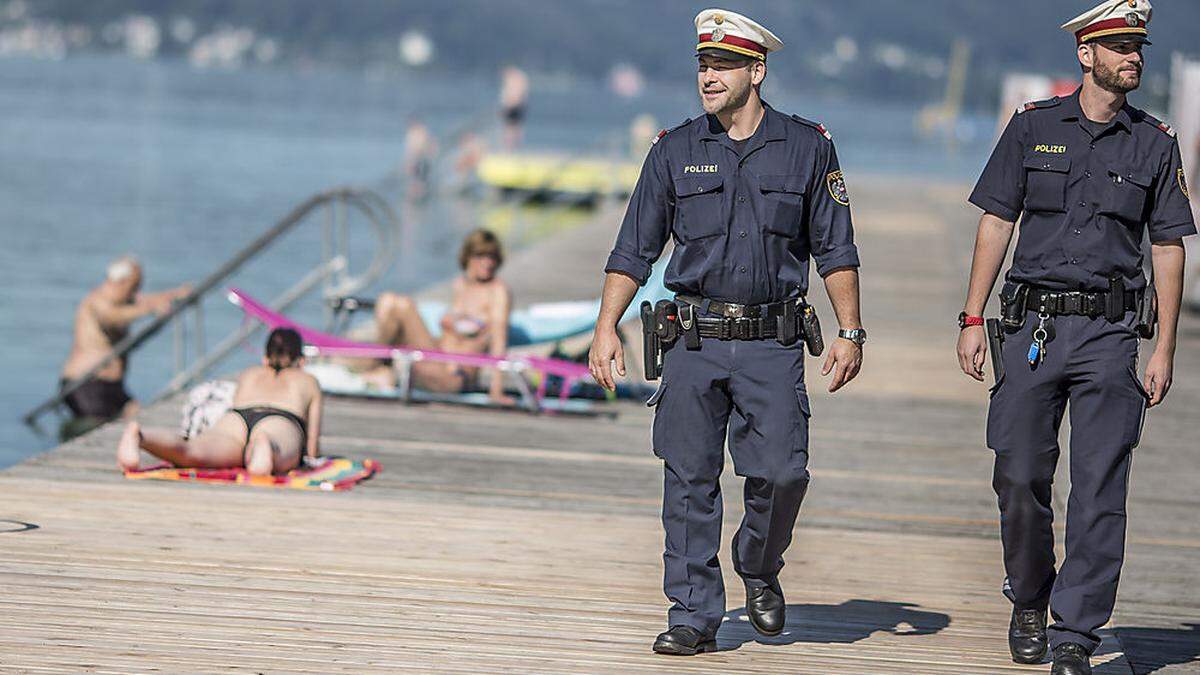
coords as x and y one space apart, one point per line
333 475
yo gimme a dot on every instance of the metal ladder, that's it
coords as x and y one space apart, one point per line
332 275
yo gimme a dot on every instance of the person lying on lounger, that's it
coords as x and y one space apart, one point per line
476 323
274 422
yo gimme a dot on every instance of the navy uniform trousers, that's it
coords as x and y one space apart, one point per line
753 392
1090 367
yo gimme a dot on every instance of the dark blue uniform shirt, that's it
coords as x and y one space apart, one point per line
744 225
1088 193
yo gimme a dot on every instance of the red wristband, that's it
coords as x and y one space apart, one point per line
965 321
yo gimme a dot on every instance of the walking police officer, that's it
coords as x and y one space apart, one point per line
1091 174
748 194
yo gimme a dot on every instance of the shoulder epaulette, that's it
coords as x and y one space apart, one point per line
1034 105
1158 124
664 132
816 125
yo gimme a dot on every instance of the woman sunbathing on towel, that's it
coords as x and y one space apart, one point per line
476 323
275 420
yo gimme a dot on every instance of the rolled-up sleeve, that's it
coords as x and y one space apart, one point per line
830 231
647 220
1171 217
1001 188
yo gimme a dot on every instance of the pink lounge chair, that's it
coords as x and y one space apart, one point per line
324 344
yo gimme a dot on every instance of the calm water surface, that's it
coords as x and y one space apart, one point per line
104 156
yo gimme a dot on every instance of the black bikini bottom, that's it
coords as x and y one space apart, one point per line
252 416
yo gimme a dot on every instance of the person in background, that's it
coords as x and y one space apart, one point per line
514 96
420 150
274 424
476 323
102 319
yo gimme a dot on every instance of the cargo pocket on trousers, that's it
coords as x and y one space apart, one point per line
1138 422
802 421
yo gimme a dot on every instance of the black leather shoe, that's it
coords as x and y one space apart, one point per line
766 610
1027 635
1071 659
684 641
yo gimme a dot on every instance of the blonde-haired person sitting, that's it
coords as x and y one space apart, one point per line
476 322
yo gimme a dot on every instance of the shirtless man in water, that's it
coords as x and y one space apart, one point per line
102 320
476 323
274 423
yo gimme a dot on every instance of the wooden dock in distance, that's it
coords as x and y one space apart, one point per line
498 541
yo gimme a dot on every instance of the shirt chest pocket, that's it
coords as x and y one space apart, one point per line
699 207
782 203
1046 182
1128 191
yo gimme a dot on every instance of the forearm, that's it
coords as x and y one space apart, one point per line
991 245
842 287
1168 261
618 293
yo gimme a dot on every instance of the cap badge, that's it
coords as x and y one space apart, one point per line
720 18
1131 19
718 35
1132 4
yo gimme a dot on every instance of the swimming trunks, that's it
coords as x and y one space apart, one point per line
255 414
104 399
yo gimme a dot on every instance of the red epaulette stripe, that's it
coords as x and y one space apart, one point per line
824 132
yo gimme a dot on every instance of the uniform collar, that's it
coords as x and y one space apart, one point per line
770 128
1072 110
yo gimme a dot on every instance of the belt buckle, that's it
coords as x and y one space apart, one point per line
735 311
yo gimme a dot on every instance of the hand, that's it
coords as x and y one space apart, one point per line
606 348
972 350
844 360
1159 372
447 323
182 292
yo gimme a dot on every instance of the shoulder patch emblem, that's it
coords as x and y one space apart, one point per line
1183 184
659 137
1026 108
836 182
1166 129
824 132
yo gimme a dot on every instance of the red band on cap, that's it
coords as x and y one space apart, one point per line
735 41
1110 26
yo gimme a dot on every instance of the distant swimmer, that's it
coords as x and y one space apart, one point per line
103 319
476 323
274 423
420 150
514 97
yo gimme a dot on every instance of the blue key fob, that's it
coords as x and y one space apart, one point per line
1034 352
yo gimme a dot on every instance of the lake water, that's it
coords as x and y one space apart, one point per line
101 156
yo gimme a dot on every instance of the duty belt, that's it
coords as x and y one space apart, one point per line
1075 302
736 322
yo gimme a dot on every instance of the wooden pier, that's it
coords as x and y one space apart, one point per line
496 541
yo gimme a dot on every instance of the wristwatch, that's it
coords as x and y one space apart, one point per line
965 320
857 335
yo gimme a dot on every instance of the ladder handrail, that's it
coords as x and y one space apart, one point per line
377 211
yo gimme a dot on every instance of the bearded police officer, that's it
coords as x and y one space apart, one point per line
1092 175
748 195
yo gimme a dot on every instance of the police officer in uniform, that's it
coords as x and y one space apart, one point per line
1092 175
748 194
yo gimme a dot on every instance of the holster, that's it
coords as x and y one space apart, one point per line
995 334
1013 299
811 328
1147 313
651 344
